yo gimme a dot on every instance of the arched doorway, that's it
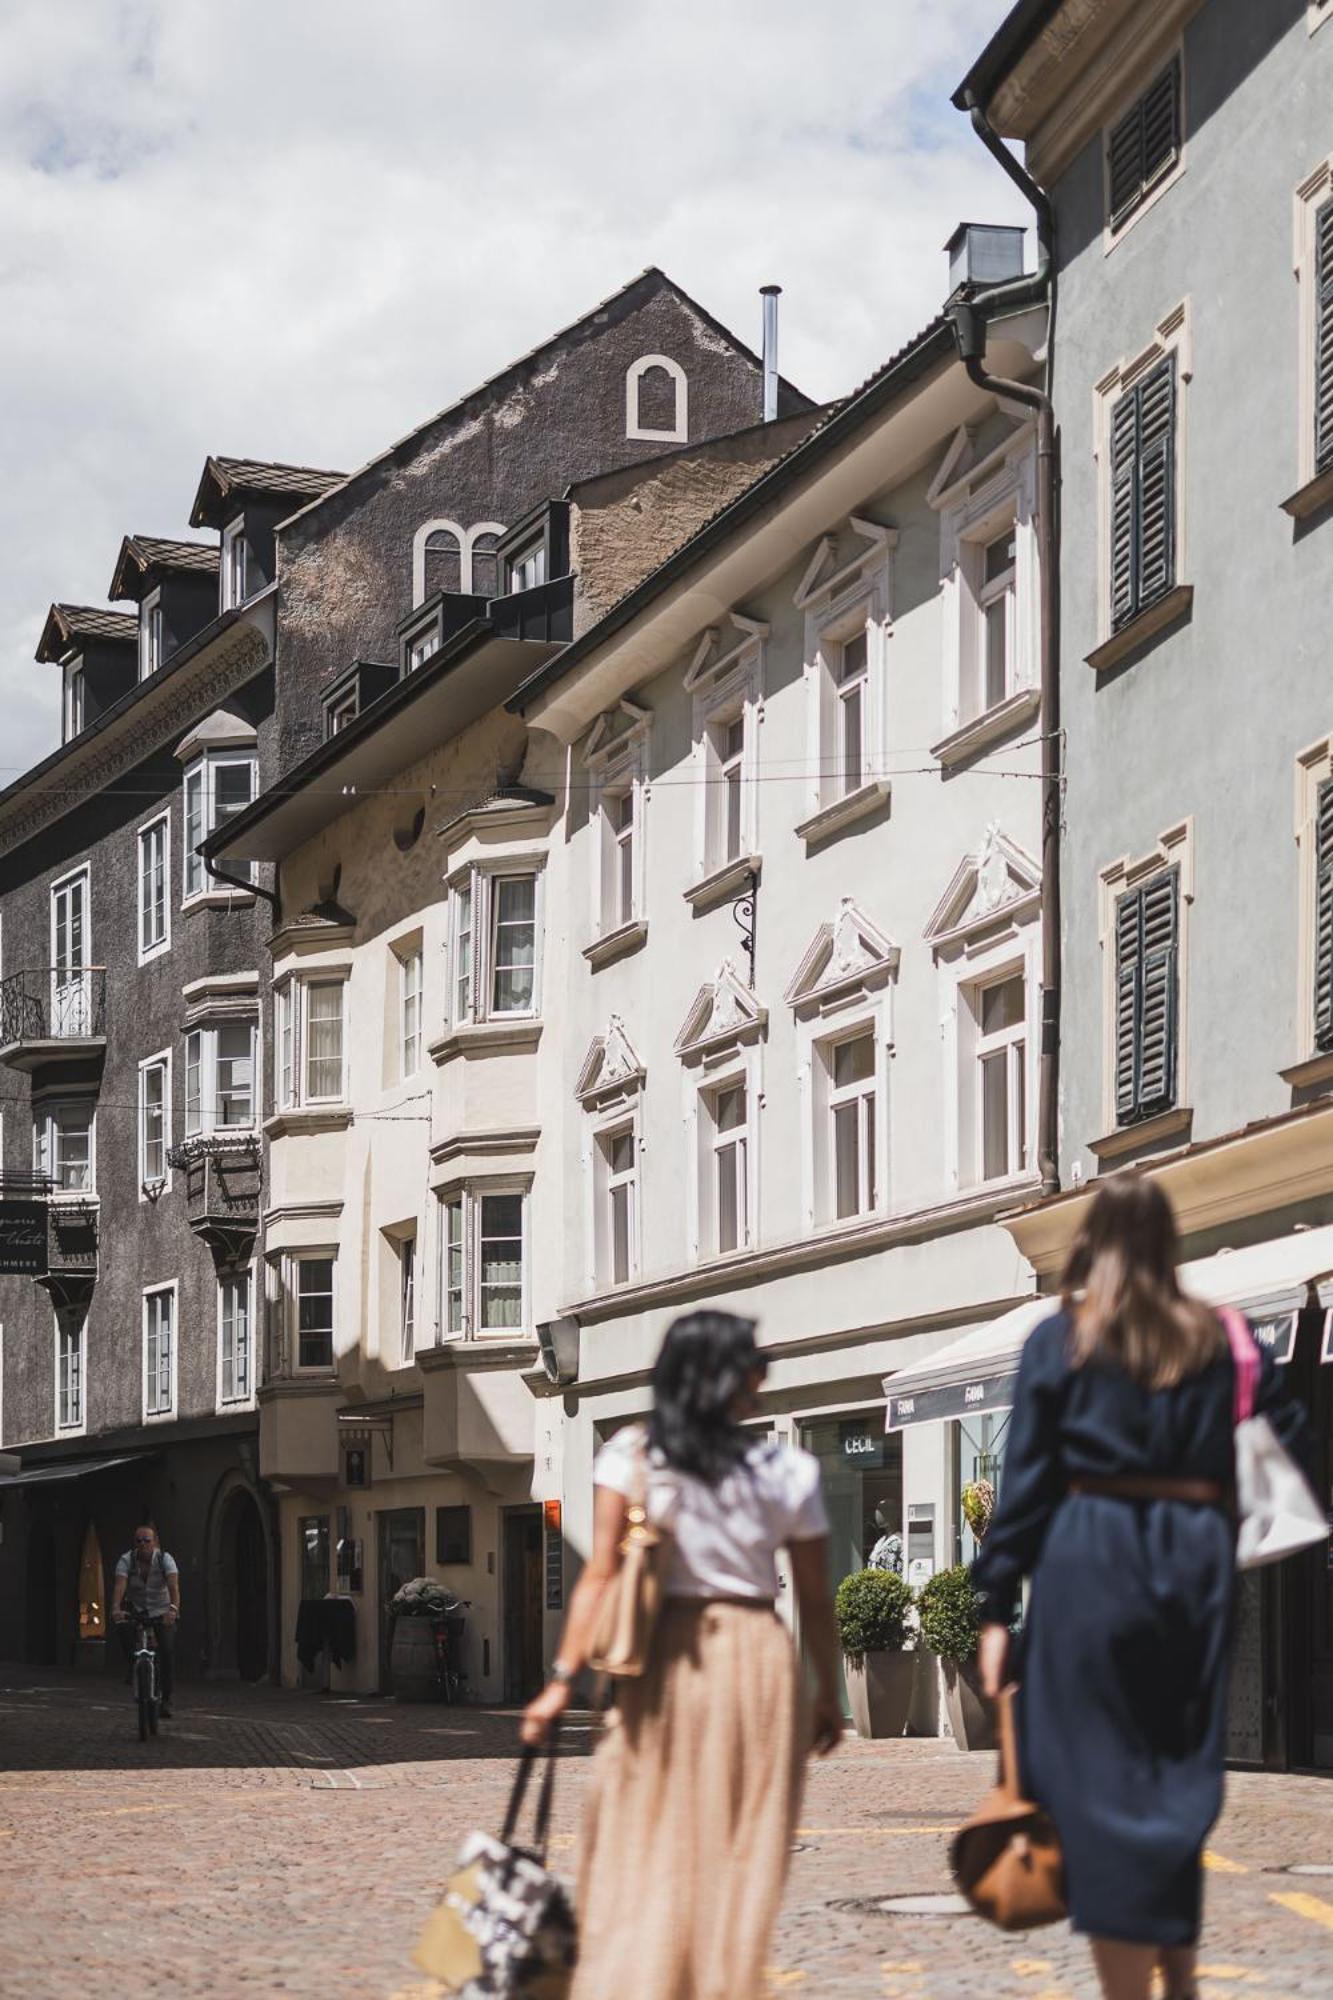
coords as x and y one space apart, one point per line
250 1593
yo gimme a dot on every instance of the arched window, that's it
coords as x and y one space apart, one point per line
483 566
657 400
437 559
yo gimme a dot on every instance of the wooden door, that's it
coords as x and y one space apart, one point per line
523 1665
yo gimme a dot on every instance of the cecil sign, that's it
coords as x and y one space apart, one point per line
23 1239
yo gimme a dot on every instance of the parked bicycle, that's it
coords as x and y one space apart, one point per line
143 1660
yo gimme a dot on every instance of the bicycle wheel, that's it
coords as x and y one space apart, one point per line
147 1710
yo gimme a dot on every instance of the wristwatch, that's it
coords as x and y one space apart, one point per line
560 1672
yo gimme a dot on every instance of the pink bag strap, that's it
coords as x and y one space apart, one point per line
1245 1354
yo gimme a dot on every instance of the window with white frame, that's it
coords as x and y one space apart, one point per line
998 567
410 966
726 678
483 1262
72 1010
526 567
495 945
728 737
236 1378
159 1322
422 643
986 501
1141 409
852 1116
1000 1047
849 661
341 714
74 702
308 1286
217 787
154 1120
220 1077
150 634
619 870
63 1146
618 1178
407 1297
71 1354
235 565
311 1041
726 1192
154 887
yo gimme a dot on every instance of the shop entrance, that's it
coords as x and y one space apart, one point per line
523 1663
402 1556
1307 1582
863 1491
43 1597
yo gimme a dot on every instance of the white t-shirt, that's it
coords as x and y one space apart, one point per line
724 1539
148 1593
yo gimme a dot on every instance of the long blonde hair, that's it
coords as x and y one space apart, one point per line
1132 1310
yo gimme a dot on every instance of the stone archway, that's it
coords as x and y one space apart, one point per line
241 1584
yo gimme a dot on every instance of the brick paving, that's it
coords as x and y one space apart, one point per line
272 1843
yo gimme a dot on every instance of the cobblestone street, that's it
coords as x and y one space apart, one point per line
286 1844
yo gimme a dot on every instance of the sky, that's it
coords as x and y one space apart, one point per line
295 229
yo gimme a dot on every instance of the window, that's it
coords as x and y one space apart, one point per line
63 1146
494 946
996 600
483 1262
74 700
1144 146
442 562
453 1535
409 992
339 714
1147 944
1323 927
617 902
407 1296
850 674
159 1311
1143 494
220 1078
730 740
485 578
72 1011
462 951
728 1146
1323 339
150 634
217 787
154 890
154 1119
311 1025
526 568
70 1356
1001 1057
657 400
852 1121
513 944
236 1381
312 1294
235 566
422 645
620 1166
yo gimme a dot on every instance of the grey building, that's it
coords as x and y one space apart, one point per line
1187 153
135 1003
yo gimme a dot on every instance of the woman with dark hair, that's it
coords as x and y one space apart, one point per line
698 1778
1116 1501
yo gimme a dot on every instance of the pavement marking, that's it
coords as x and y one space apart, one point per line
1304 1905
1220 1864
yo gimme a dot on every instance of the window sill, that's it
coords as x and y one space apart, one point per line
986 729
1308 499
1117 1145
484 1037
843 812
729 880
156 951
1315 1069
216 899
618 943
1172 609
307 1118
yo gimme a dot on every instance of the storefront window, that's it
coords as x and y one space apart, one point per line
92 1600
313 1543
979 1445
863 1491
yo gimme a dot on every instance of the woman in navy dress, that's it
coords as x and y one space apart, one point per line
1115 1501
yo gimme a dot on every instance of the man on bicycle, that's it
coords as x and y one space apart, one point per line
148 1577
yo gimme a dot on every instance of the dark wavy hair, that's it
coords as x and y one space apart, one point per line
706 1363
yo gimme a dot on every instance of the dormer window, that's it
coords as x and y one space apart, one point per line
150 634
73 700
340 714
422 643
526 567
235 563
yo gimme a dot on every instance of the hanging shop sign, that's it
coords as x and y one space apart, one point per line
983 1395
23 1239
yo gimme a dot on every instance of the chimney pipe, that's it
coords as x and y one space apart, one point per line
769 294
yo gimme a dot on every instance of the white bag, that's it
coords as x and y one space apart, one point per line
1279 1514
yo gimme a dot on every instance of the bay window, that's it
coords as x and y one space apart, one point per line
309 1292
220 1078
63 1145
311 1041
483 1262
495 945
217 787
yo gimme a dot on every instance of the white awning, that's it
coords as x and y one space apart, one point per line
976 1373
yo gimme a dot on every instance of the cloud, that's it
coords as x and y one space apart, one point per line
295 230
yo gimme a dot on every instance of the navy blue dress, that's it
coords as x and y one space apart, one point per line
1123 1667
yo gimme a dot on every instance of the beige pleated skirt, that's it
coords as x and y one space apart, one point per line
696 1787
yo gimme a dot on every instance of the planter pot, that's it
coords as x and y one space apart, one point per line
971 1716
412 1663
879 1692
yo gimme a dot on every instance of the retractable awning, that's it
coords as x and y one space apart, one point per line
1271 1281
69 1468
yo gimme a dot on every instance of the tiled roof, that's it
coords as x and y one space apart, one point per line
79 624
223 479
142 556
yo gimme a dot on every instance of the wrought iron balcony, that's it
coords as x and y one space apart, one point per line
72 1235
50 1014
223 1175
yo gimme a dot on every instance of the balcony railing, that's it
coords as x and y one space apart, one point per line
223 1176
50 1012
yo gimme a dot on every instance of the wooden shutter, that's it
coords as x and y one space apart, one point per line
1124 461
1146 999
1323 342
1144 145
1156 536
1323 957
1128 928
1125 164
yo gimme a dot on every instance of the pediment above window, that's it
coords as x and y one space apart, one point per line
617 730
611 1069
845 958
723 1014
1001 883
220 731
722 648
831 570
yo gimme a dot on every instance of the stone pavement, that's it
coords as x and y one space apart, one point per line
284 1844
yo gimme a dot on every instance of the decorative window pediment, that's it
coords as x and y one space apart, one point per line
718 651
999 883
723 1014
825 576
611 1070
845 959
616 731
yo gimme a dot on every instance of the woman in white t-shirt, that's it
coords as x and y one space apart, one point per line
697 1780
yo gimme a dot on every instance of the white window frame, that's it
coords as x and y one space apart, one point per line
409 1306
1013 1047
467 1198
422 643
207 1122
158 828
1314 769
609 1182
244 1398
616 756
419 540
195 879
76 1424
411 978
1171 336
290 1282
291 1042
72 997
525 566
74 693
1309 198
46 1141
680 430
1174 849
862 1097
478 880
164 1411
162 1181
235 556
727 686
150 634
840 602
739 1071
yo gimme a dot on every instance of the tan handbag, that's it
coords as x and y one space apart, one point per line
627 1615
1006 1859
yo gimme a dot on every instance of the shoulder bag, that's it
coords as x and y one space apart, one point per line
627 1615
1006 1859
1278 1515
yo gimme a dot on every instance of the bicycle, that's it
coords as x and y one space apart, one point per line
147 1690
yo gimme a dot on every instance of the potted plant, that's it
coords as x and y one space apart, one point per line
414 1613
947 1610
872 1608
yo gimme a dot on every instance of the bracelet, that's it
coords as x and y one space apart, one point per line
561 1673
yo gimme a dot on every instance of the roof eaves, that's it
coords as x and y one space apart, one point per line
1015 34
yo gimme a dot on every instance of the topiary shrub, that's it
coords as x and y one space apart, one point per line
872 1608
948 1606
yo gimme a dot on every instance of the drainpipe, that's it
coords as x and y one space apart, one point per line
969 318
270 896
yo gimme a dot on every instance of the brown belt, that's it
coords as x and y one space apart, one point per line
1133 1486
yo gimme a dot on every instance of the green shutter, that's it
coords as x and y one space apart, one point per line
1127 963
1124 460
1156 526
1323 958
1144 145
1323 345
1147 998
